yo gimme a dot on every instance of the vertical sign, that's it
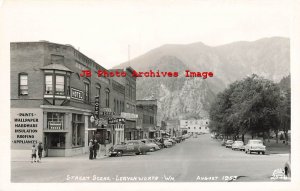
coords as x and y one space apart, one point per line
97 107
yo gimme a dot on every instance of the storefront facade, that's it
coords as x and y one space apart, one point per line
52 102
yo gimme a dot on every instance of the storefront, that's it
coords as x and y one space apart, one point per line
65 130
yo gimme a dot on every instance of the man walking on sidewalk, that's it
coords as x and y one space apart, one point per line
95 148
91 149
40 151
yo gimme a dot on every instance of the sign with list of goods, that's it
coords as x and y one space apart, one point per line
26 127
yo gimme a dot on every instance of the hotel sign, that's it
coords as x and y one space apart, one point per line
97 106
76 94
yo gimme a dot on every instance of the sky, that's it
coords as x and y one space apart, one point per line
112 32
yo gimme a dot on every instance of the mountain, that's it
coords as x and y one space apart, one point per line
190 98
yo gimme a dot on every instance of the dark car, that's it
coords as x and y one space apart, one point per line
178 139
131 147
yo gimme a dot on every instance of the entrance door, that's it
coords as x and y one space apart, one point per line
46 145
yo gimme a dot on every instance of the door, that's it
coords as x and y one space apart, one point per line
46 145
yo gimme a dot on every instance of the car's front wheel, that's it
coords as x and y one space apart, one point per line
120 153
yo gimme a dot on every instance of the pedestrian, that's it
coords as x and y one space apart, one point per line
40 151
95 148
105 141
91 149
33 153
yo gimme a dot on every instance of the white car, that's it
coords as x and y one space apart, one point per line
167 143
255 146
238 145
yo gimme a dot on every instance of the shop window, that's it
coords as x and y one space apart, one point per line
57 140
107 97
23 84
108 137
55 121
59 85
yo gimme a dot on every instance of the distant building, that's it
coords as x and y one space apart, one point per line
147 112
195 126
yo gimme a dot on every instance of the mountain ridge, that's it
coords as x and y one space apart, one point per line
182 97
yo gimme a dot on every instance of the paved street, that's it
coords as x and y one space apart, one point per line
196 159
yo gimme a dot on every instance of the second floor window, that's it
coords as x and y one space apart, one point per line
107 97
23 84
87 92
60 85
48 84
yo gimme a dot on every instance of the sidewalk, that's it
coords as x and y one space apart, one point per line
84 157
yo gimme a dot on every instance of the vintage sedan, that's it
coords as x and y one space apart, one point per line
171 140
151 143
130 147
228 143
238 145
167 144
255 146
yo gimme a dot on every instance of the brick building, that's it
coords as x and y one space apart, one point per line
53 104
147 112
132 130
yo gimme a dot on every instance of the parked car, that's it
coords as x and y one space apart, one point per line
159 143
238 145
134 146
171 140
167 144
150 143
255 146
228 143
178 139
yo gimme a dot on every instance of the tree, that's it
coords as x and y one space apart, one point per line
248 105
